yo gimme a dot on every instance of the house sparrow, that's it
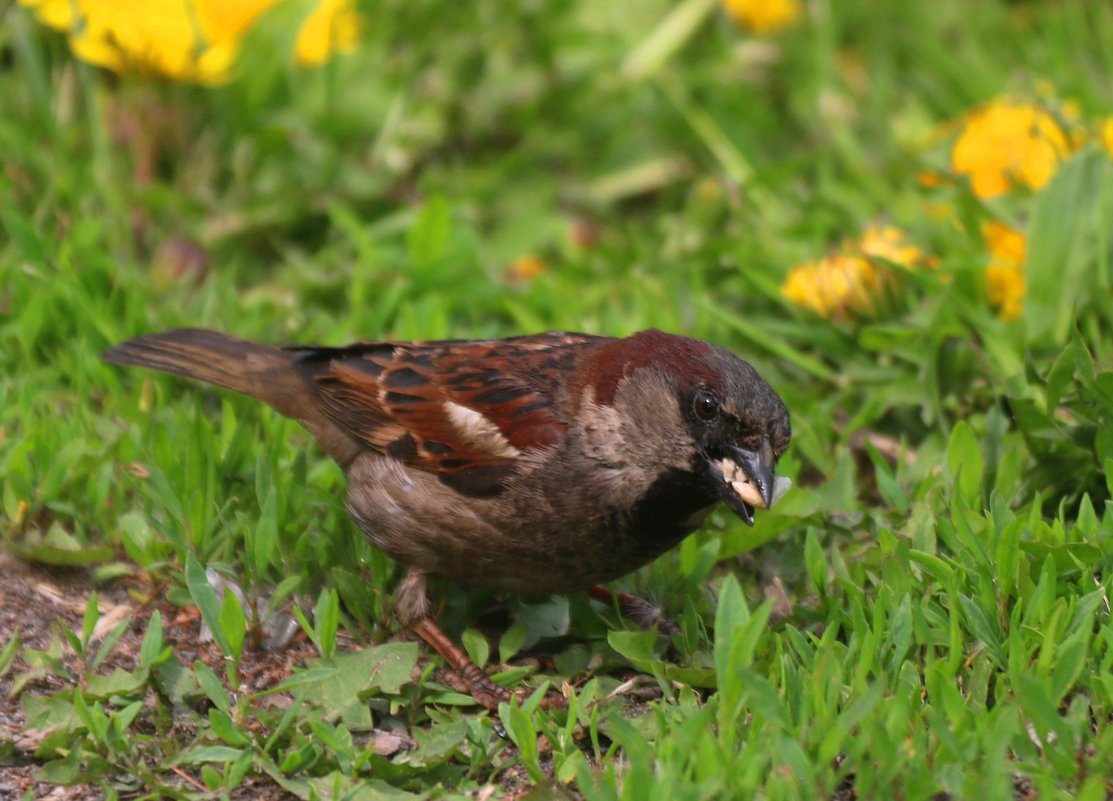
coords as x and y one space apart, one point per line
546 463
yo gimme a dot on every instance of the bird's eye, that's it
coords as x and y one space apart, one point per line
705 405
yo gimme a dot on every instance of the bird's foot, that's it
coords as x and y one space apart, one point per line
636 610
485 692
472 678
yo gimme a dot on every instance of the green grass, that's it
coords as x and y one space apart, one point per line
941 570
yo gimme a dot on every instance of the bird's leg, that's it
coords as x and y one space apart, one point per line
635 609
411 606
485 692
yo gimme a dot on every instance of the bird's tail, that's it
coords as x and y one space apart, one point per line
261 371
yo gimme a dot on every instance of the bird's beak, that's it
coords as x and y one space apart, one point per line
748 482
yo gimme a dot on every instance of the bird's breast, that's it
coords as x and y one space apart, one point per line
561 539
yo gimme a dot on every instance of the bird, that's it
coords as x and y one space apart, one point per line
552 462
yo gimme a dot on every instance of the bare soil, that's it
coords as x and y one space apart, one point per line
36 601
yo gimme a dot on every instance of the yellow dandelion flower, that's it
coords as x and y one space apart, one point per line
56 14
1008 142
799 287
227 21
186 40
1004 277
332 27
1005 287
858 280
1106 135
763 17
1008 245
180 39
527 268
889 244
836 286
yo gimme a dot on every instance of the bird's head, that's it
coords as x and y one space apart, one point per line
730 426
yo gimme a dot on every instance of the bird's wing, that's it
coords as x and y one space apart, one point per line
464 410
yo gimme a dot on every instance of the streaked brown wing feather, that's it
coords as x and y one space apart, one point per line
460 409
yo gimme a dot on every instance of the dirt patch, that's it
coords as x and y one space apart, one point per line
37 602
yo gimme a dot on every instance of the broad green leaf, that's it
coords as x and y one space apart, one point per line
8 652
381 669
815 562
1008 556
965 461
212 686
203 595
548 618
223 728
1070 661
65 771
936 567
57 547
1039 706
980 623
92 615
206 753
151 647
326 617
109 643
1061 245
476 646
512 641
762 698
126 716
636 646
335 738
233 624
265 540
521 730
390 666
137 537
300 678
731 615
119 682
1060 376
439 742
175 681
887 485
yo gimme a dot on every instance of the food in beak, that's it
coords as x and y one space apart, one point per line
742 484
